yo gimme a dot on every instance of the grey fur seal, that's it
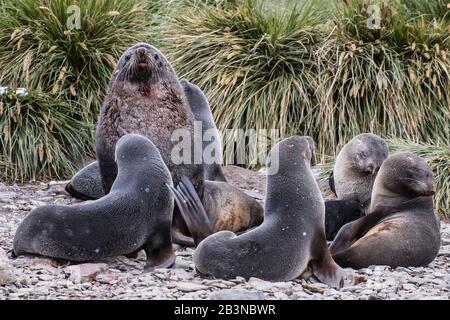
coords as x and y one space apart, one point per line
356 167
292 236
202 113
135 215
401 228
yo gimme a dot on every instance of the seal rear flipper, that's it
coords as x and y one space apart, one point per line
192 210
159 256
328 272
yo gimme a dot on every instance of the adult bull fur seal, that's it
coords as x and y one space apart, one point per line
401 228
291 237
202 113
145 97
356 167
135 215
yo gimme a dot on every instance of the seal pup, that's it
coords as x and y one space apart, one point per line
135 215
291 237
401 228
356 167
202 113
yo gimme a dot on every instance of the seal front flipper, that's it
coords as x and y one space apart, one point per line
86 184
159 251
352 231
192 210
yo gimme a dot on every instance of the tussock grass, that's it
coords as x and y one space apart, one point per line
41 137
40 51
315 68
255 61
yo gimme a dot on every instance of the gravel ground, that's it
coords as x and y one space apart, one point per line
122 278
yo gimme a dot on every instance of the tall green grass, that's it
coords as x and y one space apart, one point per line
41 137
316 68
40 51
256 62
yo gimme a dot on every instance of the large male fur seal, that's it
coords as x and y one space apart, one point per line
401 228
135 215
145 97
356 167
202 113
291 237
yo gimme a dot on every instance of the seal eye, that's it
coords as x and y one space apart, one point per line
128 57
156 57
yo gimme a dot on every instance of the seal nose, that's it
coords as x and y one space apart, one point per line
141 54
371 168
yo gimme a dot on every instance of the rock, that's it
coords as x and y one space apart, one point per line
7 275
315 287
85 272
236 294
190 287
259 284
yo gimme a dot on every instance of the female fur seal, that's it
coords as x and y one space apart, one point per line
202 113
135 215
291 237
401 228
356 167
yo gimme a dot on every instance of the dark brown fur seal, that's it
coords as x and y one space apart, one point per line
135 215
144 97
292 236
401 228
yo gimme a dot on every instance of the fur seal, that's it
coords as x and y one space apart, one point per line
292 236
202 112
340 212
135 215
145 97
401 228
356 167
